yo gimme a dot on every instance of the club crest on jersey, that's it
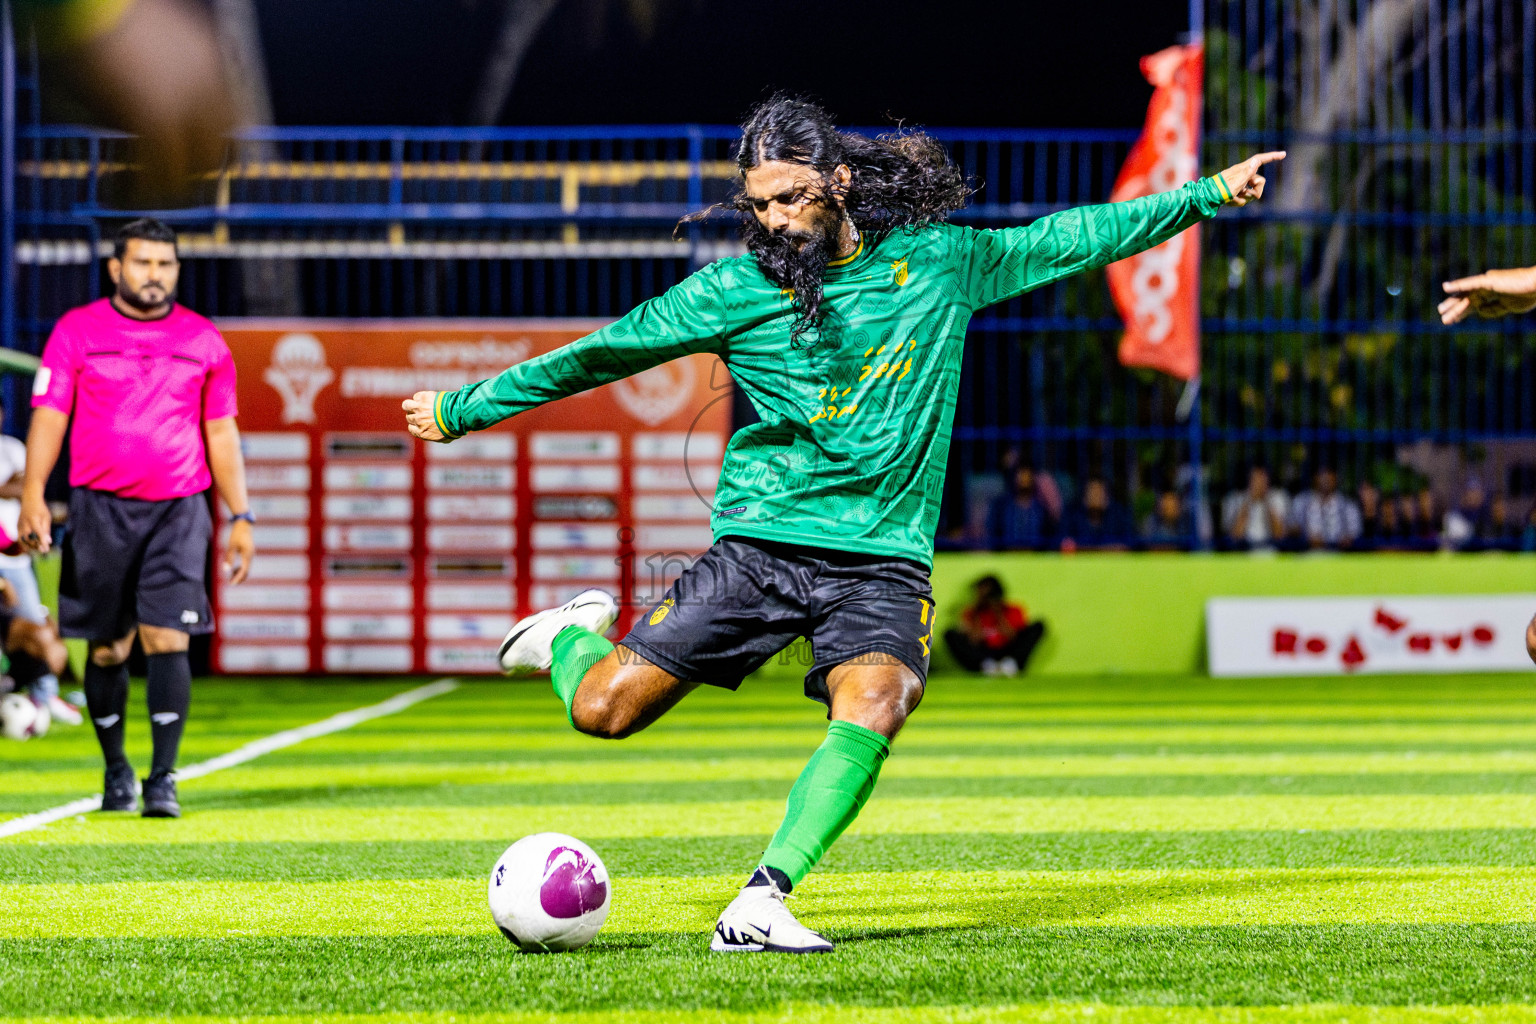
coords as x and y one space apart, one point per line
900 267
660 612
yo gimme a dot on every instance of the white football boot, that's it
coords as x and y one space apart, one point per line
529 646
757 921
63 712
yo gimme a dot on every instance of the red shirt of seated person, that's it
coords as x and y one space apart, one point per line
995 635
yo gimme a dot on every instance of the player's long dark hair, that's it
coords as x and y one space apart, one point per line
900 180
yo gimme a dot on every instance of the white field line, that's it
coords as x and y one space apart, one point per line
249 752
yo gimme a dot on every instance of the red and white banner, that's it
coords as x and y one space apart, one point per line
1281 636
1158 291
378 553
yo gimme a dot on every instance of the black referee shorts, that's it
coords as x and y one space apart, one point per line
128 561
745 600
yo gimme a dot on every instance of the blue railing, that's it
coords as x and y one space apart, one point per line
1320 341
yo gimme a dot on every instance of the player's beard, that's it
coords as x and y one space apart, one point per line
798 268
137 300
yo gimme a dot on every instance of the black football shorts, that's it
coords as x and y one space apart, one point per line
128 561
745 600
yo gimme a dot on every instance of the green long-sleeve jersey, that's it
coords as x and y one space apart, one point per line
855 421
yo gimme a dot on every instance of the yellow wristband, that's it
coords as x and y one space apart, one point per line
437 416
1221 186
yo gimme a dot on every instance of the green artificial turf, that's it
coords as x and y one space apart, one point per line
1113 850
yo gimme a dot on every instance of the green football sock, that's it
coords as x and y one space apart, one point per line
826 797
576 650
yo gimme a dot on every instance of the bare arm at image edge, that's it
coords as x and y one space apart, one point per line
1491 294
45 439
227 465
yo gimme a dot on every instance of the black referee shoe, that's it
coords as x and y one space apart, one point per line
160 797
119 791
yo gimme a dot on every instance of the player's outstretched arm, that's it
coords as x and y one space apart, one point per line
1493 293
687 318
1012 261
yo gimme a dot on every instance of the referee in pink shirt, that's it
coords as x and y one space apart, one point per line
150 387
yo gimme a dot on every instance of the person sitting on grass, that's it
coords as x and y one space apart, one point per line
33 649
995 636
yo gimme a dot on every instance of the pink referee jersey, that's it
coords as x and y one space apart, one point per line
140 392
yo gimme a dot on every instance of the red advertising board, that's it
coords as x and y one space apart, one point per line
380 553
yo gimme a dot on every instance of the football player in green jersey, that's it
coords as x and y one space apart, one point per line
843 323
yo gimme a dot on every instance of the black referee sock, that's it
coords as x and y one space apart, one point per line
106 698
170 693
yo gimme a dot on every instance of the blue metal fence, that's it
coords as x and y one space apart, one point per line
1320 342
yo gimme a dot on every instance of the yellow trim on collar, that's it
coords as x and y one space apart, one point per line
850 257
72 22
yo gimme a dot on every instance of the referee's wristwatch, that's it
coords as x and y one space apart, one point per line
243 517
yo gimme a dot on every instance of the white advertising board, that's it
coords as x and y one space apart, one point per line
1277 636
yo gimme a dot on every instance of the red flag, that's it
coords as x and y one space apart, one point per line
1158 291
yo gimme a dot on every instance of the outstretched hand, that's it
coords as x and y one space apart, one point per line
1244 182
1490 294
418 416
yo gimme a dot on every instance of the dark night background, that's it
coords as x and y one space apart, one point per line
962 62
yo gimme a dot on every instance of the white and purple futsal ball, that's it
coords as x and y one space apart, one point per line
549 893
21 718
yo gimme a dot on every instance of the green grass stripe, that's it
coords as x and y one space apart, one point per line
1069 851
1162 969
920 736
979 786
594 754
21 780
881 816
815 1013
779 740
703 713
883 900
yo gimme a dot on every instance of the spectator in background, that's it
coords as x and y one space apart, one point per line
1528 535
1408 521
1169 526
1368 496
1096 522
1322 517
1255 519
1389 525
1427 535
1499 530
1465 521
995 636
1019 518
1046 488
